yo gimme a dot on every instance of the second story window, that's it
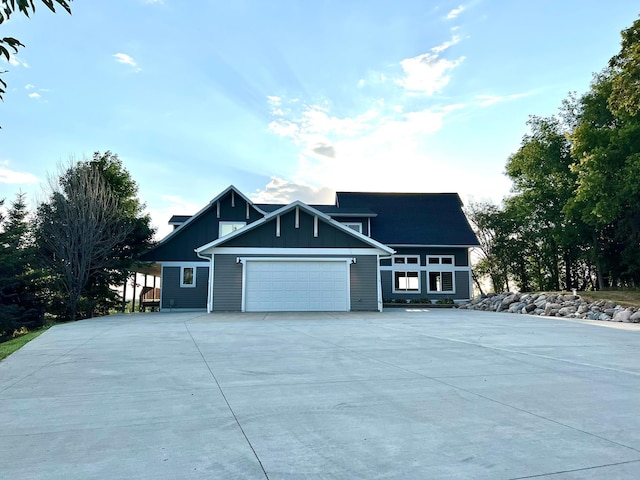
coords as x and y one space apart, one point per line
229 227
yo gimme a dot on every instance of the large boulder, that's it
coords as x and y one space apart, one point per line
623 316
564 311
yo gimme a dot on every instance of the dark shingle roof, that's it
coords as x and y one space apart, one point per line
178 219
413 218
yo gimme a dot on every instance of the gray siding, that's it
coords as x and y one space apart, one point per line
173 296
462 285
364 284
227 284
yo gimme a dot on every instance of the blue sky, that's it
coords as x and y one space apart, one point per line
293 99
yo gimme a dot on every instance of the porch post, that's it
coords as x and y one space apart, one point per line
133 302
124 294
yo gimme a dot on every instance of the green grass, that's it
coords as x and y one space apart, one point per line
627 298
10 346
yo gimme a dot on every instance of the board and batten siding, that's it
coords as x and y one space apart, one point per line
227 284
364 283
176 297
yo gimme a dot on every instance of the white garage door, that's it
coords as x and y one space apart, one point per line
296 286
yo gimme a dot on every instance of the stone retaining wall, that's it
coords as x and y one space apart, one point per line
569 306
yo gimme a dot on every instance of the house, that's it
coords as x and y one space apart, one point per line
236 255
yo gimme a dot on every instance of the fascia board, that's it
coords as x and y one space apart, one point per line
207 207
416 245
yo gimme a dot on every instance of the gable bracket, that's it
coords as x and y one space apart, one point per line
315 226
297 217
278 226
218 208
233 198
247 210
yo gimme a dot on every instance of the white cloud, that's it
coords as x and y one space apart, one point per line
127 60
357 150
15 61
429 73
283 191
34 95
165 208
455 12
29 86
14 177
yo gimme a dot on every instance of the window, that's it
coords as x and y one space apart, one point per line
441 282
229 227
354 226
440 260
406 282
413 260
406 274
187 277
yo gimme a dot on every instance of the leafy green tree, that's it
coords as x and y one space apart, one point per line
91 231
100 296
607 198
543 183
20 302
486 220
625 92
26 7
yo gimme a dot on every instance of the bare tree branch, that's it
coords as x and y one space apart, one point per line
78 228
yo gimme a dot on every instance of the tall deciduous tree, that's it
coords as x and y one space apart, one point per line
625 93
486 219
543 183
99 292
607 198
78 227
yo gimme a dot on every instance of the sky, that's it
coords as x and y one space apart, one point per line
294 99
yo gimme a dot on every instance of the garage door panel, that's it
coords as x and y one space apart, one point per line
296 286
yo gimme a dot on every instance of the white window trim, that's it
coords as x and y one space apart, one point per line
441 271
405 271
188 285
406 265
220 224
405 268
441 266
353 224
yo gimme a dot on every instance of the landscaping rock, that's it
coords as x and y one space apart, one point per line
568 306
565 311
623 316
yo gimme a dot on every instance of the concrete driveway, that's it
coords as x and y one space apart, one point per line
403 394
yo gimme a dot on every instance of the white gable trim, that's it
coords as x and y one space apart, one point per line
311 211
216 201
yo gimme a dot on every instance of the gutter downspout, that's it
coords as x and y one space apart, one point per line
210 288
380 299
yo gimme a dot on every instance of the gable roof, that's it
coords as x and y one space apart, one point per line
178 219
306 208
211 204
434 219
